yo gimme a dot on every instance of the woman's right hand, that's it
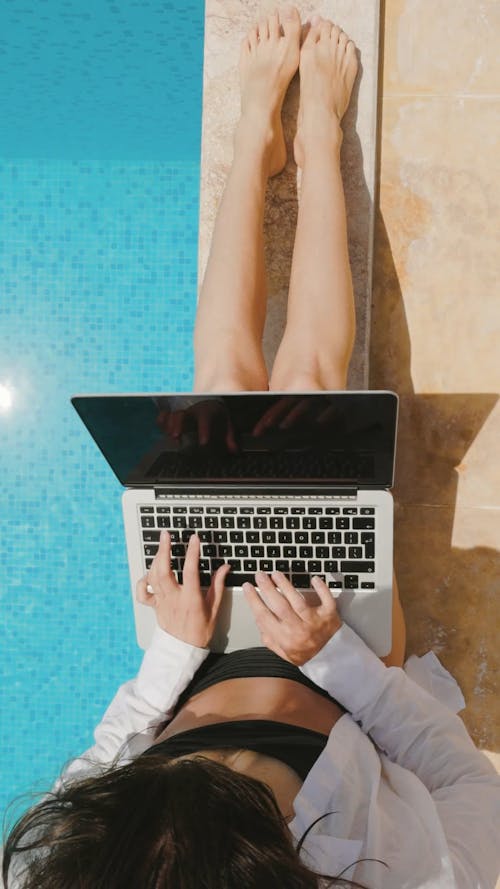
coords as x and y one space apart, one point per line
289 626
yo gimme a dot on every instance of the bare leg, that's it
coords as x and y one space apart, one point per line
320 329
232 306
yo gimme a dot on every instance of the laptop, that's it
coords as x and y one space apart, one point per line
294 482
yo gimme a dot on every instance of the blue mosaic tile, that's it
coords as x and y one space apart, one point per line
98 280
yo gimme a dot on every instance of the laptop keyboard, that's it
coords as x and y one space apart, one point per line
300 541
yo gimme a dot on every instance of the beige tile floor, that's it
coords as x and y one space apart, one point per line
434 328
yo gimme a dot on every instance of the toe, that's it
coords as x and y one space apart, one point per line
290 21
263 29
312 35
274 25
253 38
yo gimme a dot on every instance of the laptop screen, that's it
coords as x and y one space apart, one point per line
335 438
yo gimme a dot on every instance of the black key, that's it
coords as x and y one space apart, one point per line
298 510
360 567
238 579
309 522
338 552
219 536
195 521
149 522
209 549
321 552
369 550
229 510
317 537
250 565
227 522
325 522
252 537
212 510
344 523
351 581
298 566
280 510
178 549
285 537
175 537
235 564
196 509
355 552
363 523
291 522
180 509
247 510
276 522
206 536
179 521
204 564
216 563
259 522
151 536
314 566
236 536
368 537
283 565
268 537
266 565
211 521
301 581
257 551
290 552
186 535
332 510
225 550
334 537
205 578
334 584
350 510
367 510
331 566
149 562
315 510
273 552
147 509
163 521
367 585
351 537
151 550
306 552
241 550
302 537
176 564
263 510
244 521
162 509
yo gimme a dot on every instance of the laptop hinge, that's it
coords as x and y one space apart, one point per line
276 491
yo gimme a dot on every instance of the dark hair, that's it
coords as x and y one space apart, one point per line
159 824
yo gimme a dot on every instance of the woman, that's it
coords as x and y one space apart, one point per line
208 769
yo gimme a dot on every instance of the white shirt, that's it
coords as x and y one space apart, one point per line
404 778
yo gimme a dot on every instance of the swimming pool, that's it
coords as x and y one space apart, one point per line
99 171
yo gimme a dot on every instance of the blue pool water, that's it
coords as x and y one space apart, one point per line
99 181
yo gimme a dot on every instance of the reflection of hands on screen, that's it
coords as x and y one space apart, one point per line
289 410
209 418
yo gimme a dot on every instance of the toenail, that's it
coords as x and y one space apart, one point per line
288 12
315 19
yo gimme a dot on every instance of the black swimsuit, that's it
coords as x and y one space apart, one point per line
297 747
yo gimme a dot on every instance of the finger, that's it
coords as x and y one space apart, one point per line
141 593
177 423
230 438
203 427
162 563
216 590
298 411
278 603
273 414
264 617
296 600
325 594
191 570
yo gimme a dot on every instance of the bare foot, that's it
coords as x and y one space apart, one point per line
328 68
268 61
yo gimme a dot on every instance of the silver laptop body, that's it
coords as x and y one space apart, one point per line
308 497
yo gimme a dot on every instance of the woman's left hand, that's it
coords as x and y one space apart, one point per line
183 610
